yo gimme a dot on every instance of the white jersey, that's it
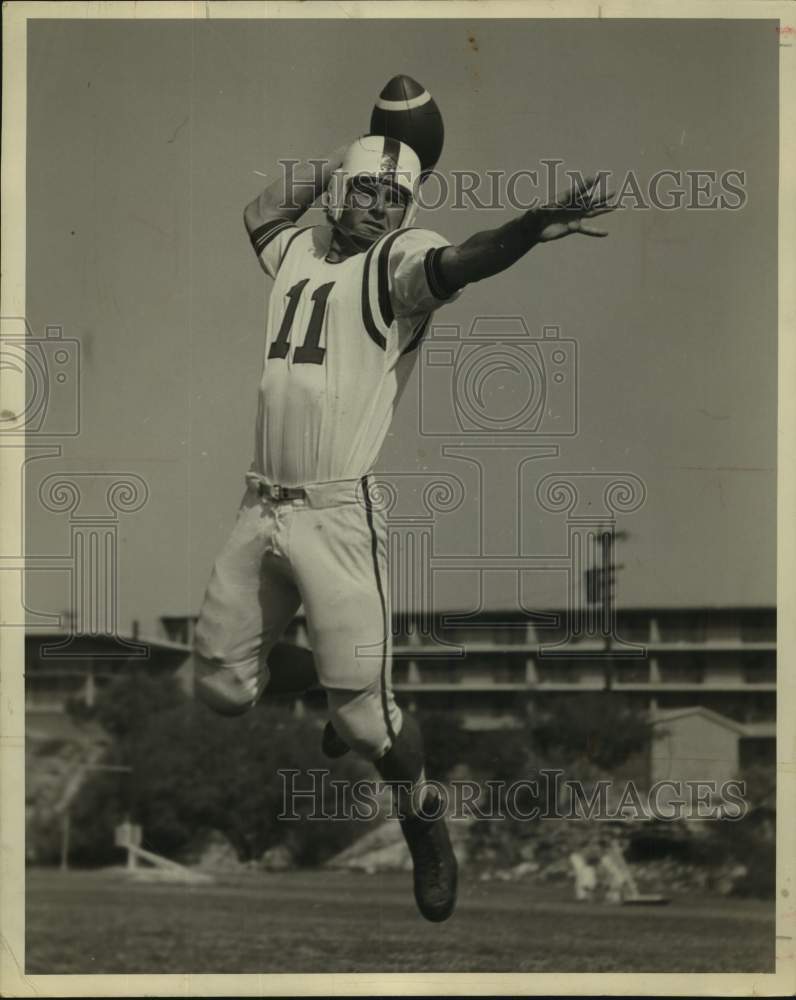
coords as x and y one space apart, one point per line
340 345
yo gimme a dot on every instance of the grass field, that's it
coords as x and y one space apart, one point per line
334 922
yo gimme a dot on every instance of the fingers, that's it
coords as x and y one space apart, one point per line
586 193
601 199
565 217
590 231
578 194
599 209
559 230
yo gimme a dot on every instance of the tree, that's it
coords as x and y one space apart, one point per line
447 743
601 728
194 771
125 706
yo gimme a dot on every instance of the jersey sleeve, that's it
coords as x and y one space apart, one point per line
414 281
270 242
401 282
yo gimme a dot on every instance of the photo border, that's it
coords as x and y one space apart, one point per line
13 981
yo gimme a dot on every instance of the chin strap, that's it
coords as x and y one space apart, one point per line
351 243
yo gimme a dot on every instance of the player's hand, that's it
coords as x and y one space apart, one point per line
565 216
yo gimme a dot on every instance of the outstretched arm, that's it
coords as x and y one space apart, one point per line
292 193
492 251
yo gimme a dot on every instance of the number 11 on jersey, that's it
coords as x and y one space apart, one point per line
309 353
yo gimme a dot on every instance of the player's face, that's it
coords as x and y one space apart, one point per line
373 206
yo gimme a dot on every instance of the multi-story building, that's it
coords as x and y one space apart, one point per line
494 669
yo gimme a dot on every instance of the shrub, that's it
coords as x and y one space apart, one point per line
600 728
194 771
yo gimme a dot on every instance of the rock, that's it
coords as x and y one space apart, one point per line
213 851
384 848
528 851
277 859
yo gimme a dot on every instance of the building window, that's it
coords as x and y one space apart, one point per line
759 669
631 671
633 627
52 691
682 669
682 626
761 626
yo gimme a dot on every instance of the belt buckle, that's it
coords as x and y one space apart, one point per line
279 493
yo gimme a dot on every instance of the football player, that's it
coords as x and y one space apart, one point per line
349 304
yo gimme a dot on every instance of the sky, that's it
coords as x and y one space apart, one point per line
146 140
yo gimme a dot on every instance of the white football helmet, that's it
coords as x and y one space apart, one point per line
375 156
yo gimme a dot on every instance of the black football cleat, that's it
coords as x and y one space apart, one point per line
435 866
332 744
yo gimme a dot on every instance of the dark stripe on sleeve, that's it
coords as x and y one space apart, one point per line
385 305
374 549
262 236
367 315
420 332
436 284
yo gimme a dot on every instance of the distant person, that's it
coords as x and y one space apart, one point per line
585 875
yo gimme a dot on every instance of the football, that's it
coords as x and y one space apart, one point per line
406 111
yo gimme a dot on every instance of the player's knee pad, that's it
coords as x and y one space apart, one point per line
367 720
228 689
